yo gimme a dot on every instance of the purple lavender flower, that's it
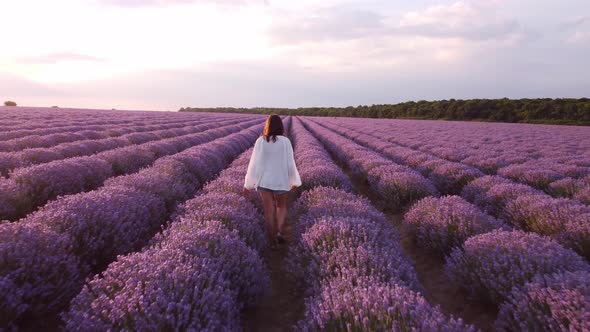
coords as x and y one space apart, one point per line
242 266
38 273
371 306
565 220
156 290
492 264
333 247
531 174
233 211
443 223
105 223
400 189
450 178
566 187
557 302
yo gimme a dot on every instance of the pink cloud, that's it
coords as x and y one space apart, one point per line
59 57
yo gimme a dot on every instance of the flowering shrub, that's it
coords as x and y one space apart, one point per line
241 265
443 223
492 264
103 224
372 306
556 302
38 273
450 178
336 247
156 290
233 211
565 220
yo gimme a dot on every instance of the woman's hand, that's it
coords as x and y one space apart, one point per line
245 192
293 188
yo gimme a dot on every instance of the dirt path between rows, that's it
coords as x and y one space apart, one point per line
283 305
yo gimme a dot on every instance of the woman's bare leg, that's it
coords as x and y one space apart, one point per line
282 201
269 214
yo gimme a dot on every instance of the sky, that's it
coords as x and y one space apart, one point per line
167 54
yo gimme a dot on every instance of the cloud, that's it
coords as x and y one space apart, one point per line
12 86
466 20
327 24
149 3
463 20
59 57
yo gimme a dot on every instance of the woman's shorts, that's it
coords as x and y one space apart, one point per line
276 192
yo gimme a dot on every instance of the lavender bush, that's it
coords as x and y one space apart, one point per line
443 223
336 247
233 211
37 271
371 306
492 264
156 290
556 302
241 265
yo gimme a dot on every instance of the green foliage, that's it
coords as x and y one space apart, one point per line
9 103
546 110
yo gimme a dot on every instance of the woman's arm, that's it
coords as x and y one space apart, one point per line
253 167
294 179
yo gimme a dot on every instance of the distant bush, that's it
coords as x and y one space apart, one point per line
9 103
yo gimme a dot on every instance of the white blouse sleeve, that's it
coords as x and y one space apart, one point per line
254 166
294 179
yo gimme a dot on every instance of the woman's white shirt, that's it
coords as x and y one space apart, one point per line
272 165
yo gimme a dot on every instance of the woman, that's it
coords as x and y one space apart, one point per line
272 172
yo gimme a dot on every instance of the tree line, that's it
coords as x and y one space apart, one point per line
542 110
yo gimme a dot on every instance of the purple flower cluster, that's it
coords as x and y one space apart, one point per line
98 225
371 306
241 265
38 272
314 163
492 148
492 264
495 199
531 174
397 185
38 184
441 224
565 220
156 290
198 274
557 303
353 270
110 141
448 177
104 223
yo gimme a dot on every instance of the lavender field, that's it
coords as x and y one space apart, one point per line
136 221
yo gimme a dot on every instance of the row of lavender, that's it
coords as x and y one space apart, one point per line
538 284
25 121
566 220
93 142
45 257
31 187
522 271
211 249
48 134
548 158
201 271
348 260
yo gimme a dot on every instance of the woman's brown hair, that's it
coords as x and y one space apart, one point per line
273 128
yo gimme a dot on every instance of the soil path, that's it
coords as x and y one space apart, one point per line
283 305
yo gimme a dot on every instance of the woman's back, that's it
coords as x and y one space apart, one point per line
272 165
